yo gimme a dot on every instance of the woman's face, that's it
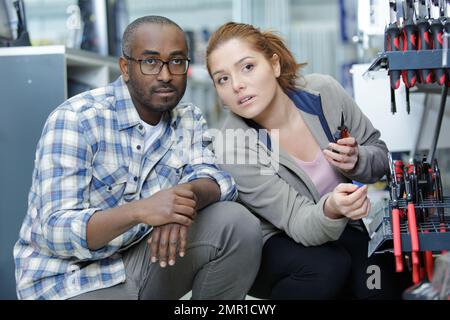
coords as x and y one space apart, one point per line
245 80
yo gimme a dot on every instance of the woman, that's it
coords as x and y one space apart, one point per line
315 241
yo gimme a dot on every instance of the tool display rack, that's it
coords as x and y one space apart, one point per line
430 237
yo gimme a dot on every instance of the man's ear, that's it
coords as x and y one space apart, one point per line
275 61
123 64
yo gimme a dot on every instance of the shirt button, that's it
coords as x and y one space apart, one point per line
135 178
138 147
140 127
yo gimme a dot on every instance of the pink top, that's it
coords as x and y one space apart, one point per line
321 173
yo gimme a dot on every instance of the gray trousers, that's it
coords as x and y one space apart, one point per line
222 259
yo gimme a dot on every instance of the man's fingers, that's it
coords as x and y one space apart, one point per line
184 192
184 210
154 242
163 246
185 202
173 243
181 219
183 240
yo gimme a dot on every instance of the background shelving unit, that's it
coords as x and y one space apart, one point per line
35 81
430 236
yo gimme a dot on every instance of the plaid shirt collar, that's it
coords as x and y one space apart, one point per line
127 115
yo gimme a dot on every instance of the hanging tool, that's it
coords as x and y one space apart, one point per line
424 191
409 176
438 192
437 31
425 39
446 8
409 35
439 197
392 43
394 188
398 165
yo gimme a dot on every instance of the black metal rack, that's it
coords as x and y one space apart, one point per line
429 232
430 236
407 60
416 60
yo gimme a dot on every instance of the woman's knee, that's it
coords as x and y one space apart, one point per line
332 271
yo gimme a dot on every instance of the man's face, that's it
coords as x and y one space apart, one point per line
155 94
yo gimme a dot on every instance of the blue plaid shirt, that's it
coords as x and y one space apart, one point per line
88 160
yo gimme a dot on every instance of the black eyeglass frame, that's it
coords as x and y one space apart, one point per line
162 65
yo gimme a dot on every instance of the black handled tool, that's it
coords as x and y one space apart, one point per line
425 39
395 217
410 35
437 31
392 43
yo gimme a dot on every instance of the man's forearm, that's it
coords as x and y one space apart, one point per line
107 225
207 191
104 226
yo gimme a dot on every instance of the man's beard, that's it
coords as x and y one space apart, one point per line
146 96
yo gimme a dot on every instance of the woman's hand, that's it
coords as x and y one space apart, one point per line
347 200
346 156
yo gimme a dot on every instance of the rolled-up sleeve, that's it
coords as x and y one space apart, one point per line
202 160
64 172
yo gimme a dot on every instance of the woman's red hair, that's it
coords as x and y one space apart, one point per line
266 43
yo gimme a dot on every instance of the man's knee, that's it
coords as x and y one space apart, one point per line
237 221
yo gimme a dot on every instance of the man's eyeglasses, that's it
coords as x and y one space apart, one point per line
153 66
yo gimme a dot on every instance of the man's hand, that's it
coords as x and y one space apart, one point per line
348 154
165 241
167 238
174 205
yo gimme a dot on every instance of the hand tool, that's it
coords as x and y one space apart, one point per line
437 30
409 35
392 43
409 176
425 39
395 217
342 130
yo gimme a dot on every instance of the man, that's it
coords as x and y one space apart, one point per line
119 164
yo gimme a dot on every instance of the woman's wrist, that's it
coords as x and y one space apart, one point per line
329 210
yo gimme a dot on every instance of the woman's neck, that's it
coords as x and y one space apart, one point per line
279 114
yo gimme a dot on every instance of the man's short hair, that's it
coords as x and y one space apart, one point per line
128 34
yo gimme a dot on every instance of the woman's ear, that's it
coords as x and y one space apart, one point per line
275 61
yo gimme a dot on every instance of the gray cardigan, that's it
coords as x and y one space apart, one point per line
286 199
